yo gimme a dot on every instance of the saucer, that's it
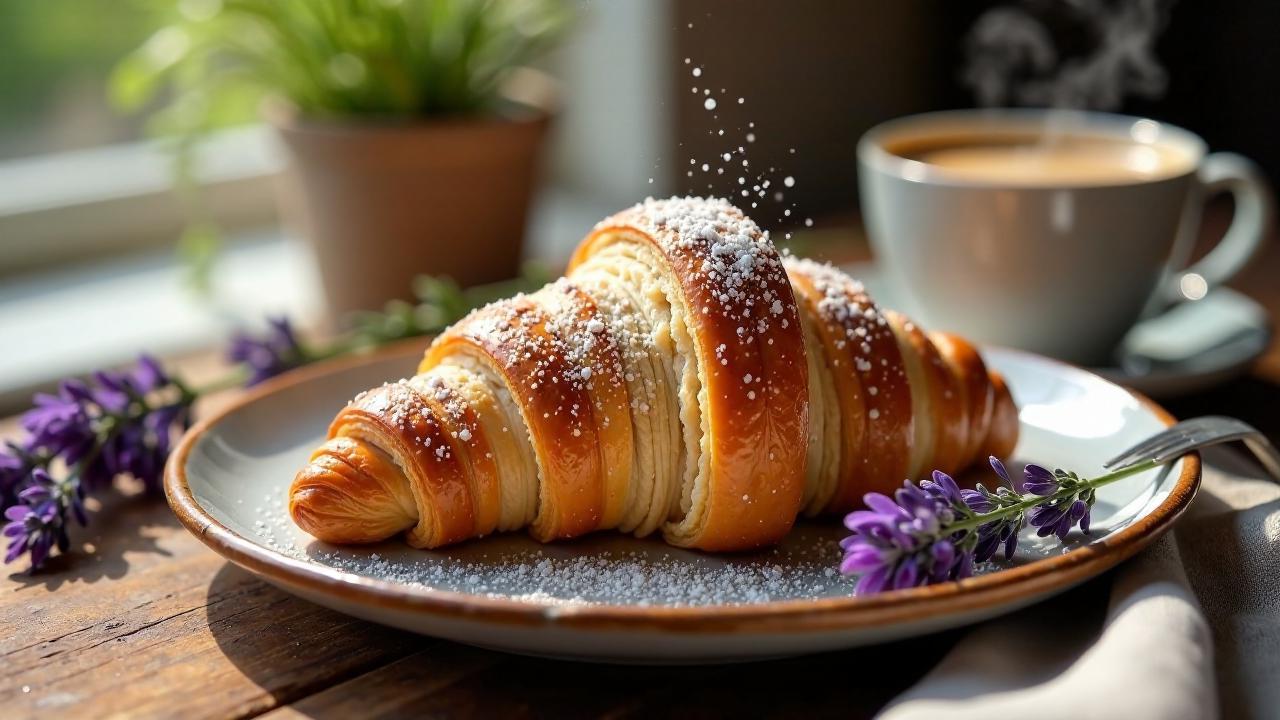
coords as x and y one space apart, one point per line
1191 347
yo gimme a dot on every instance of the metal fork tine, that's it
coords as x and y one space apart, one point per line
1182 429
1136 451
1171 443
1161 441
1201 439
1198 433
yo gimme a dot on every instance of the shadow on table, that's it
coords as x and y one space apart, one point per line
324 664
121 527
290 648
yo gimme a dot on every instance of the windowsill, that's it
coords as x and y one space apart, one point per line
69 321
61 324
86 205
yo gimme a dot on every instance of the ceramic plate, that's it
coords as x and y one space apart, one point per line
620 599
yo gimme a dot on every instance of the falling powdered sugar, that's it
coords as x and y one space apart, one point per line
757 196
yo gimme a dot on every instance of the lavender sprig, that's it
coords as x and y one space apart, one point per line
39 522
114 424
79 439
267 356
935 531
119 423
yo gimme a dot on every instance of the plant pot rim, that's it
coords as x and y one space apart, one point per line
534 94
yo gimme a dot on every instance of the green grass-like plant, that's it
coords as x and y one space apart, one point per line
213 62
334 58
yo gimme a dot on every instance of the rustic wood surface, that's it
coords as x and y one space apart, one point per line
141 620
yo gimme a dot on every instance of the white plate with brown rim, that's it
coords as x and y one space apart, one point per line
620 599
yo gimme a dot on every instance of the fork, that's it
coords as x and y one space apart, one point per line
1197 433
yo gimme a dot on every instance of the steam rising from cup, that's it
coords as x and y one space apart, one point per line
1015 58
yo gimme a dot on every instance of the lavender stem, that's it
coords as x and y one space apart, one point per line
1031 501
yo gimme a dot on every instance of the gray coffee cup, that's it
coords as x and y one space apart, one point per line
1060 263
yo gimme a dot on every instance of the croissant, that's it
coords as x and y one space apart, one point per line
682 377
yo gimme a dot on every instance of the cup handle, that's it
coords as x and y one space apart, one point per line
1250 226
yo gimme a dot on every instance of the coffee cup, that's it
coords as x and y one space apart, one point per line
1052 231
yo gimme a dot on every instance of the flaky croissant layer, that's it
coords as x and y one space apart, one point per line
682 377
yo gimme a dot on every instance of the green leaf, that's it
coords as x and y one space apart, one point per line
133 83
198 247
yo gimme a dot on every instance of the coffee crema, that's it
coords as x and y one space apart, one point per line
1046 160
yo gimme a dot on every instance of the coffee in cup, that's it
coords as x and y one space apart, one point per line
1051 231
1052 160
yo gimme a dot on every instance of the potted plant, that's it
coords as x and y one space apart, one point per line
413 126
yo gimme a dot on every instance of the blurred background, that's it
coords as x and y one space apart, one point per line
91 269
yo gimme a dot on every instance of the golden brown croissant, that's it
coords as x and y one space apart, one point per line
682 377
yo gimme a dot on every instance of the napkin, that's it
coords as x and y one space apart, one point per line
1188 629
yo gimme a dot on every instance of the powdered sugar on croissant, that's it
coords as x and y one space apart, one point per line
673 381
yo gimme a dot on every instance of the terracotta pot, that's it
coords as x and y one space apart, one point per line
383 201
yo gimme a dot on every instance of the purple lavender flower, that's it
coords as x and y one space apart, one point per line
1087 497
115 390
1039 481
996 536
31 530
936 531
139 448
13 472
944 488
149 375
66 494
902 542
59 424
268 356
1054 519
1003 473
1036 479
1059 517
115 423
977 502
39 523
1002 532
120 423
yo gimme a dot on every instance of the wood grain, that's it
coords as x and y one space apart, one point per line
172 630
179 628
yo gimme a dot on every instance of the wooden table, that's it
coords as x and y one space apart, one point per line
140 620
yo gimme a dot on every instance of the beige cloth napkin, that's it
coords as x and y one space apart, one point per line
1190 628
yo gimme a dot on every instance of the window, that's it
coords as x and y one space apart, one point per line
78 179
55 57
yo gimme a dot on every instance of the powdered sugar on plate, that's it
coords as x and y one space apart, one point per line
602 569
